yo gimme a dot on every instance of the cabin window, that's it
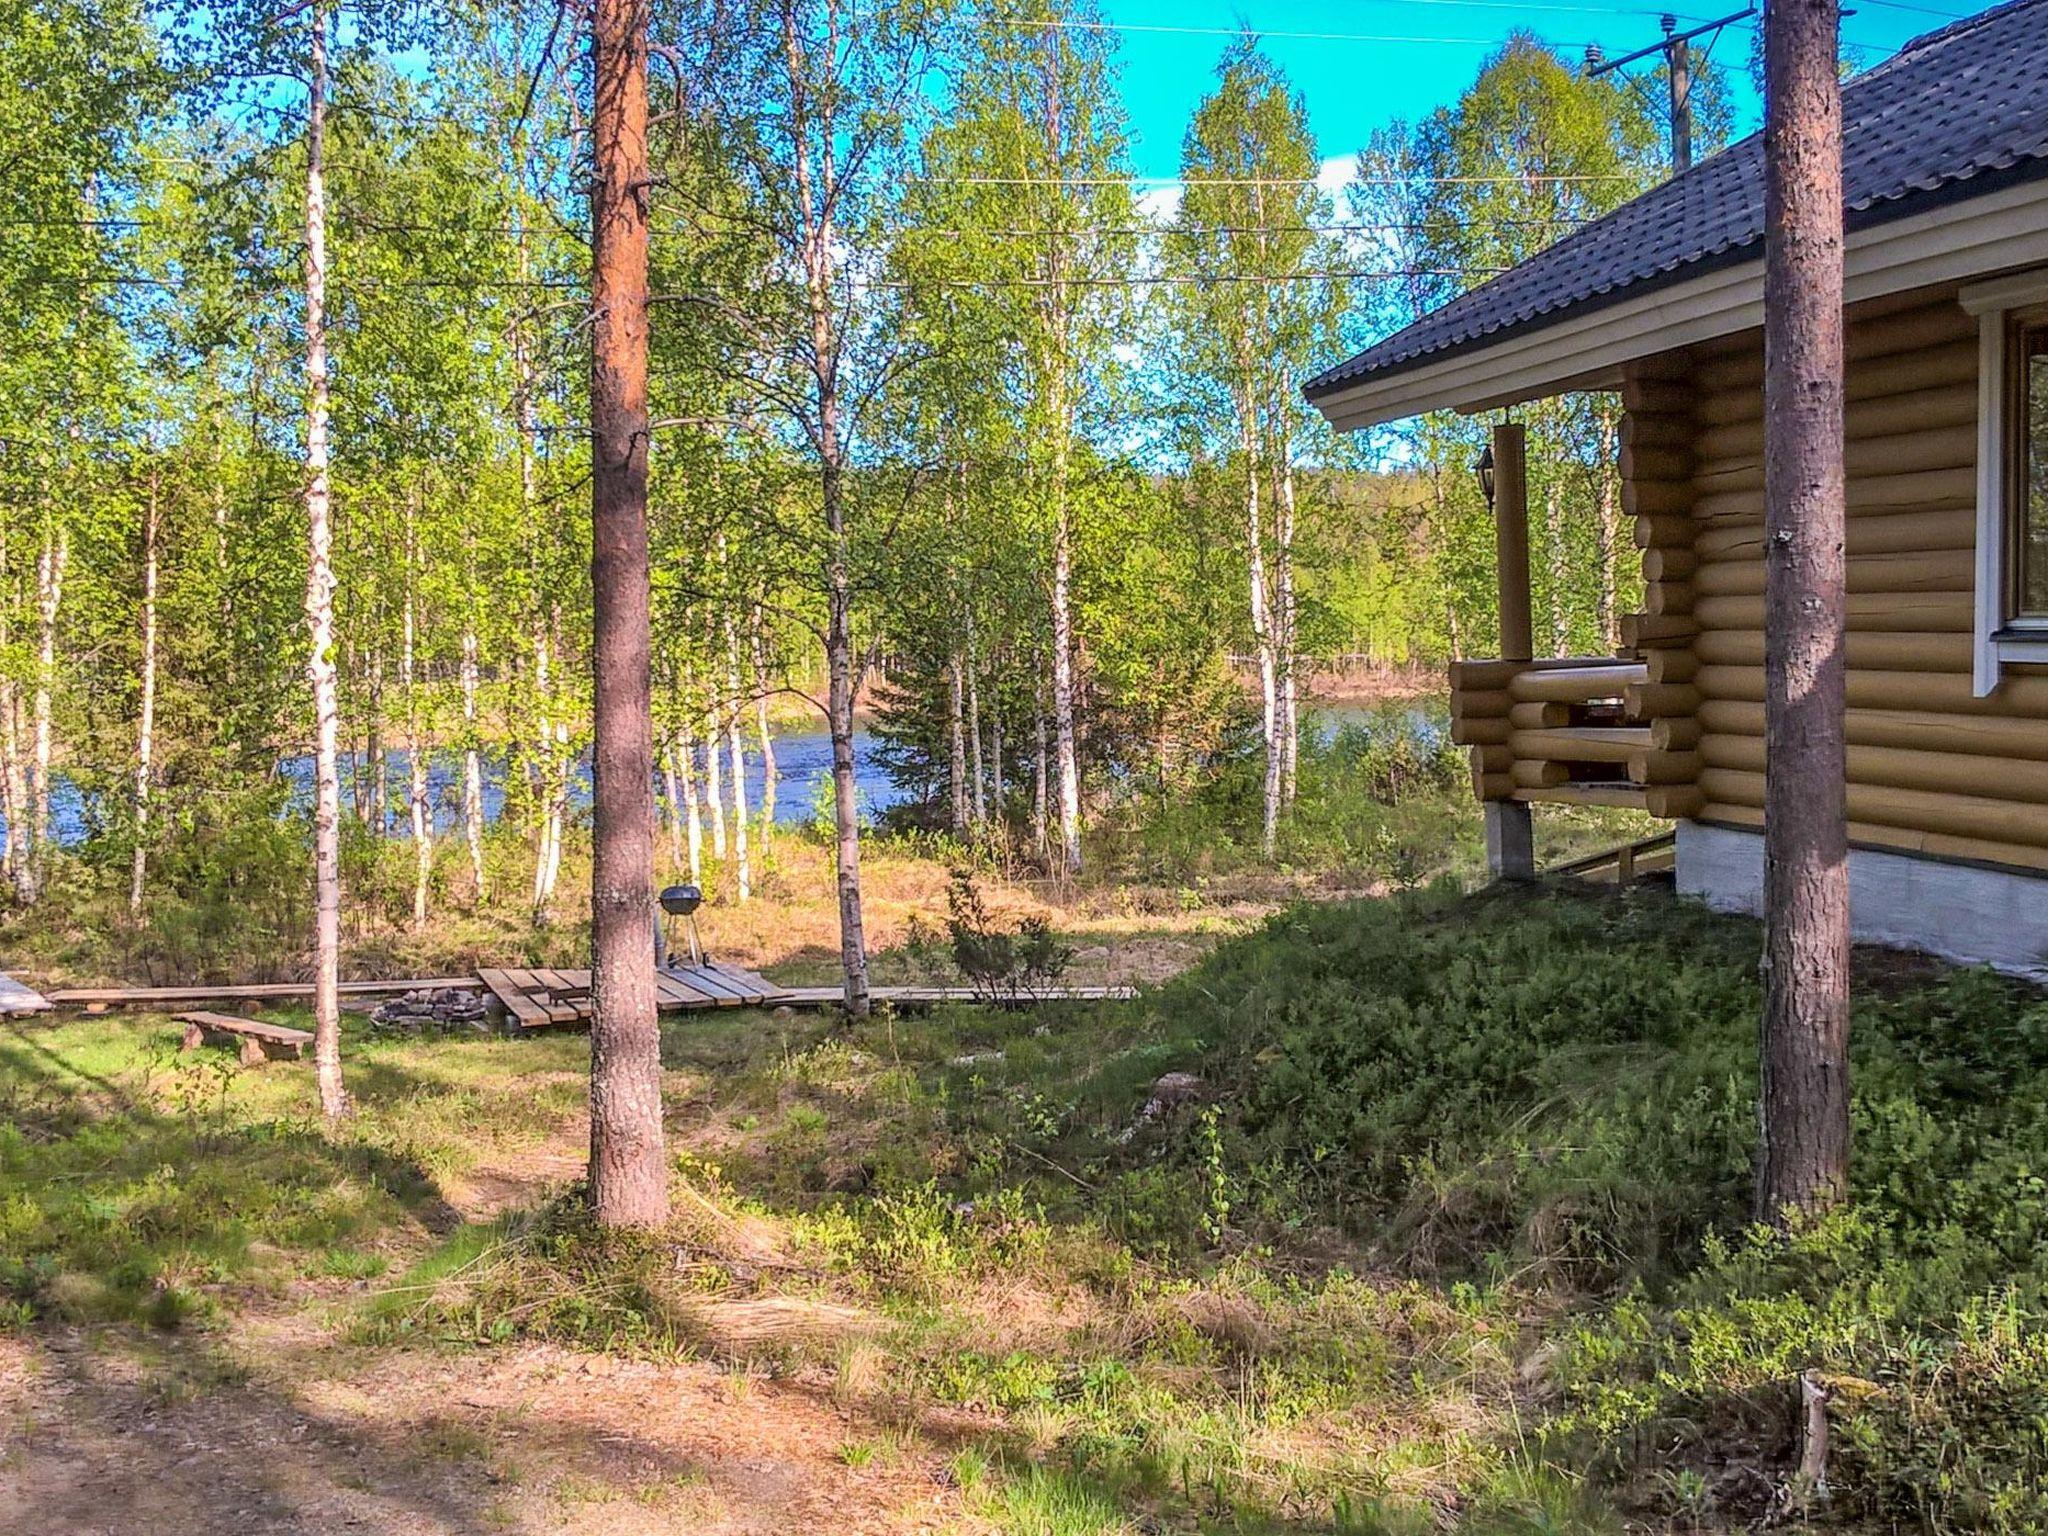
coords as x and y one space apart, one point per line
2012 474
2027 490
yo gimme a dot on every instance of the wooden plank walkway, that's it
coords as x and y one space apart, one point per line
199 992
540 997
17 998
930 996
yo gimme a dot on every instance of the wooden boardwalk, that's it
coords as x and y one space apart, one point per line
931 996
257 991
17 998
539 997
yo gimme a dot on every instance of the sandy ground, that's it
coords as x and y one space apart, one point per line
277 1423
267 1432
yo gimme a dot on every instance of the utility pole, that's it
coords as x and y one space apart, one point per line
1678 70
1676 49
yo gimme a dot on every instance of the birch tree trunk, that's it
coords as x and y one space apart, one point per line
735 740
1553 528
817 193
978 800
472 765
1285 616
714 790
145 724
1803 1108
956 736
1058 323
1609 533
628 1159
419 813
770 774
1039 830
672 797
1261 610
684 753
56 556
13 776
1065 742
320 606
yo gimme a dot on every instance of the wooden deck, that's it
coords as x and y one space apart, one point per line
17 999
261 991
931 996
540 997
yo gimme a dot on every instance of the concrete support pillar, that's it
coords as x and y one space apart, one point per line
1510 841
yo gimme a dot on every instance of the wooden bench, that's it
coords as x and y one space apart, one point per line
259 1042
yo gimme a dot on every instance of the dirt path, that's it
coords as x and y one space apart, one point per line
276 1423
111 1435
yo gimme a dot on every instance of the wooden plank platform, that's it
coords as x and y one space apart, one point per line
931 996
199 992
543 996
18 998
259 1041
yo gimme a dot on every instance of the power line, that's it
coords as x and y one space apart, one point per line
1160 28
1299 182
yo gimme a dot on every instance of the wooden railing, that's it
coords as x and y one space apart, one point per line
1580 730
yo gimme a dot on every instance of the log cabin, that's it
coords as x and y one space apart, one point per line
1945 202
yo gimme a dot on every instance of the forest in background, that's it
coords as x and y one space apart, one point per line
951 412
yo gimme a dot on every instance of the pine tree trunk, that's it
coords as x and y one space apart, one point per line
1804 1104
320 607
628 1159
145 723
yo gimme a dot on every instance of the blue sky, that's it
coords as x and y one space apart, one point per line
1353 87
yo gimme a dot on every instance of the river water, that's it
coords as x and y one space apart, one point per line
803 760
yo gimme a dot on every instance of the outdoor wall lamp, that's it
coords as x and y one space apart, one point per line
1483 467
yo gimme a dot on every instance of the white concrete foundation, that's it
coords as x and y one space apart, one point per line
1969 913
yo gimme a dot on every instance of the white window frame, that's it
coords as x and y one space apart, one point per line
1999 640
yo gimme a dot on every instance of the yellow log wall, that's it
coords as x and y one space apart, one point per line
1931 768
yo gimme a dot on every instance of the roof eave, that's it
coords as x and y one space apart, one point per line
1966 230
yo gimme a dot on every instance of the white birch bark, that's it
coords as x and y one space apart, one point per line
145 724
735 737
472 766
320 604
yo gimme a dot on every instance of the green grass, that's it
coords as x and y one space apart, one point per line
1455 1229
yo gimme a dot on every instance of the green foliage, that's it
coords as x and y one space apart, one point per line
1001 965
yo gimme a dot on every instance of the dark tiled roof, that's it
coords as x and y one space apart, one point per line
1955 112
